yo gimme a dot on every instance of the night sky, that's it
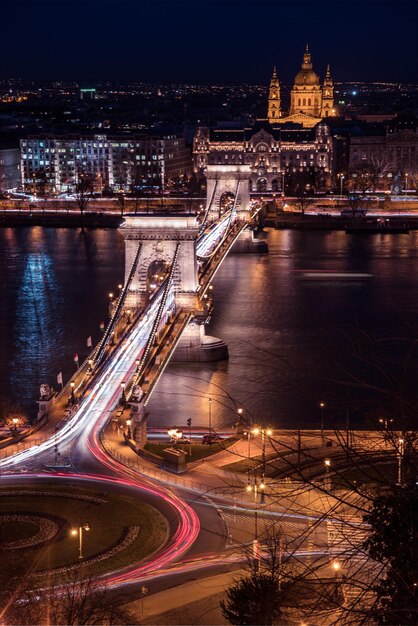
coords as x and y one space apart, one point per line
207 41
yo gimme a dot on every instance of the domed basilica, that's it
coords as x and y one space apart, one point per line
309 101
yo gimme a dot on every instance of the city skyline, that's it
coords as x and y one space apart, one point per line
179 42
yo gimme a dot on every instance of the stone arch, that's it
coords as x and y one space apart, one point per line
226 201
275 184
147 269
232 178
261 184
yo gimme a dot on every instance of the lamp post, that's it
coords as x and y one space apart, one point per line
322 406
263 432
401 452
210 418
255 487
385 421
137 365
123 396
79 531
90 362
341 183
72 396
129 434
327 463
336 566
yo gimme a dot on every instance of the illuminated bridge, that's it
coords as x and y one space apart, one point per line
161 308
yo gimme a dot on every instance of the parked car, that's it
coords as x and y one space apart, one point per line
208 439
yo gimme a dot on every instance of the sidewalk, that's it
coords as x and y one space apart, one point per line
166 601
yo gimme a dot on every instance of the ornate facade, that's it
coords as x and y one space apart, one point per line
278 158
309 101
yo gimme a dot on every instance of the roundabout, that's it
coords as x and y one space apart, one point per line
40 526
133 529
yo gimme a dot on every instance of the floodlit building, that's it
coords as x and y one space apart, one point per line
310 102
280 158
56 163
9 167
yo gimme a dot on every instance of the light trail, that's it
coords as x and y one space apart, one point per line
211 238
102 397
83 432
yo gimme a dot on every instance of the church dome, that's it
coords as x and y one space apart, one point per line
306 76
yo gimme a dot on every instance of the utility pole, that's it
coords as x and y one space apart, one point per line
210 418
347 432
189 424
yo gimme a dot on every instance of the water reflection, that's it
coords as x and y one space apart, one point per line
287 337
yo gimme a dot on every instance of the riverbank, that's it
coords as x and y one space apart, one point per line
60 219
327 222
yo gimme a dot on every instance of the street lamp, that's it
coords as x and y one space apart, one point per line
210 419
341 177
123 396
386 421
129 434
327 463
336 566
137 365
322 405
90 362
15 421
111 296
79 531
72 396
401 452
254 488
263 432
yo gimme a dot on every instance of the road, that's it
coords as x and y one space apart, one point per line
207 529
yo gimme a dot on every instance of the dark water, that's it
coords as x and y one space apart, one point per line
289 339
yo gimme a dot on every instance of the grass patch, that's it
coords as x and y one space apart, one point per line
12 531
199 450
108 520
243 465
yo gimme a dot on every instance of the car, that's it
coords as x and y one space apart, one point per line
208 439
183 440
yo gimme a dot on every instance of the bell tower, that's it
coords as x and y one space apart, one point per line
327 109
274 112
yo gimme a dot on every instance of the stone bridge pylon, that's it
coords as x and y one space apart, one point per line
228 185
158 238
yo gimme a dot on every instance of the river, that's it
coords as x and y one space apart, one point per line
291 338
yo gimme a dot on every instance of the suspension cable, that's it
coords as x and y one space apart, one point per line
97 356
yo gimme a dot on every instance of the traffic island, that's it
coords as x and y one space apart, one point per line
53 532
194 453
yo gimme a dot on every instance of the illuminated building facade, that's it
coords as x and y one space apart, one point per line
280 158
9 168
310 102
117 163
